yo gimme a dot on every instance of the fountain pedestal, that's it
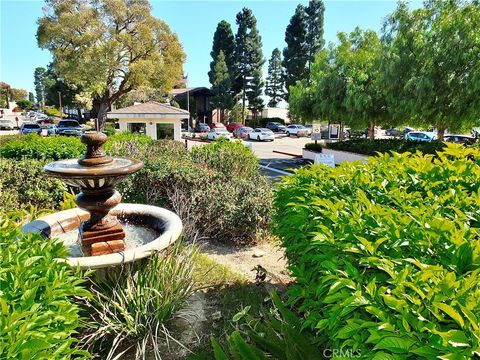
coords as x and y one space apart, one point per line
96 174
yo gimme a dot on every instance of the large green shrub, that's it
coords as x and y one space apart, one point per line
210 193
38 147
23 183
231 158
369 147
386 254
39 315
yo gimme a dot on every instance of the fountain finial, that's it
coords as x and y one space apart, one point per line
95 154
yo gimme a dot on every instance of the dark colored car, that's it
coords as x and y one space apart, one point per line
201 128
394 132
29 128
460 139
69 127
276 127
233 126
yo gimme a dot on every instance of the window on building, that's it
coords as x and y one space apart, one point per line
165 131
137 128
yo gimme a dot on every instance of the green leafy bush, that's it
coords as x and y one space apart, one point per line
38 147
386 254
24 183
278 336
368 147
39 315
231 158
208 191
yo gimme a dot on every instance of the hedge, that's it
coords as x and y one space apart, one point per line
386 255
371 148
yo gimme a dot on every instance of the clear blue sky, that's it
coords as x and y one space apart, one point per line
195 23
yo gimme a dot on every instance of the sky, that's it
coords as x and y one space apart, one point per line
193 21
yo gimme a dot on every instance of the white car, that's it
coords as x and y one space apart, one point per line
216 133
298 130
261 134
6 124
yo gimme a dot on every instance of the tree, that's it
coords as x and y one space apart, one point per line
295 54
346 84
110 47
39 78
431 68
18 94
223 40
222 98
4 95
31 97
274 85
248 61
314 31
24 104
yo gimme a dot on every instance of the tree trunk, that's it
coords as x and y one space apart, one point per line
371 131
243 107
79 113
440 132
102 114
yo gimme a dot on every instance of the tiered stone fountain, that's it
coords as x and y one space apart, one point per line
97 227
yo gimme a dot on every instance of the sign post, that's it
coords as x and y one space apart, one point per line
316 131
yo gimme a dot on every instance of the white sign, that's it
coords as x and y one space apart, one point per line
328 160
316 130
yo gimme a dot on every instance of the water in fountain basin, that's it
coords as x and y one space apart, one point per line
135 236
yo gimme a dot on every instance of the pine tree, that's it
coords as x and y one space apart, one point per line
314 39
221 85
31 97
295 54
39 76
274 87
248 61
223 40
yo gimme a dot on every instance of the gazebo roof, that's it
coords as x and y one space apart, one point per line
151 109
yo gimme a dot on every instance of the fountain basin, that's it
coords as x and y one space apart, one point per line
167 224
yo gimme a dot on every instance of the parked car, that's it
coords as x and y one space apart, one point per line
242 132
6 124
69 127
460 139
233 126
201 128
298 130
29 128
217 125
261 134
52 129
217 133
394 132
40 117
420 136
276 127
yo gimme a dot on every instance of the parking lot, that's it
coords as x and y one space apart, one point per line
270 149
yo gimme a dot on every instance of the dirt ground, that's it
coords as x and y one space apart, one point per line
244 259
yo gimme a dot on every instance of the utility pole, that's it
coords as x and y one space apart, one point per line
60 103
188 109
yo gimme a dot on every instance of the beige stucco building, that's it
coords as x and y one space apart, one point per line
157 120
